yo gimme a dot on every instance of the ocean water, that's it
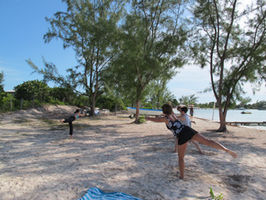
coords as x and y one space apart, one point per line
233 115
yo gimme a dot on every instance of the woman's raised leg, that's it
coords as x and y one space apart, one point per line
203 140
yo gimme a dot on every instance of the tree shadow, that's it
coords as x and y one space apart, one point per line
106 157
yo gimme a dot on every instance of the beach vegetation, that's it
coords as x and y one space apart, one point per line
62 94
230 41
188 100
90 29
8 102
1 82
156 94
216 197
141 119
33 92
261 105
2 92
151 46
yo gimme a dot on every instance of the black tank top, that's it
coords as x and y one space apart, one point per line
174 126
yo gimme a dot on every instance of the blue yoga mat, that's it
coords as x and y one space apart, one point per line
97 194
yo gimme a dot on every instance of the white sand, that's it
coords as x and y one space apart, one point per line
38 161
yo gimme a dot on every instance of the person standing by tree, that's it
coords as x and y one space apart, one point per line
191 111
184 134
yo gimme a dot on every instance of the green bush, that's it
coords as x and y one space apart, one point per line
32 90
216 197
105 102
141 119
8 103
60 94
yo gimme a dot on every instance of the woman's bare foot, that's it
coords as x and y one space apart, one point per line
233 154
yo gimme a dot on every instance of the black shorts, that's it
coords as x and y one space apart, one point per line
186 134
70 119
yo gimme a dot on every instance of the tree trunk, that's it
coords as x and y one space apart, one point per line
115 108
222 116
137 112
93 101
21 103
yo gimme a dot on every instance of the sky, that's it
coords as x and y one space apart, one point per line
22 26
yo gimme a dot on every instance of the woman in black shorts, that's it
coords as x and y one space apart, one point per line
70 119
184 134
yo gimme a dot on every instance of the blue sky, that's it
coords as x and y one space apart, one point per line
22 28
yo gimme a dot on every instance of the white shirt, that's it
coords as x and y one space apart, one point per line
187 121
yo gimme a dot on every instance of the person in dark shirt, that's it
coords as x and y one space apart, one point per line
191 111
70 119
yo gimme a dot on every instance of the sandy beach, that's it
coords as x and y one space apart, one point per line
38 161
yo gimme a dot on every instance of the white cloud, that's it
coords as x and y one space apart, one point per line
194 80
191 80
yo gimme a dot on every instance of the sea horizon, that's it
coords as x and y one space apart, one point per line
233 115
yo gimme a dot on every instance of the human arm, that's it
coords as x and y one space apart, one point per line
180 118
82 114
156 119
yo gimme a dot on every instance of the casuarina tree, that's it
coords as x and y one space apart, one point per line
229 39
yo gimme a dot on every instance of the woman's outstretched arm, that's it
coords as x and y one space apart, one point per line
156 119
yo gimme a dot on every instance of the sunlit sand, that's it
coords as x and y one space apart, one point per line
39 161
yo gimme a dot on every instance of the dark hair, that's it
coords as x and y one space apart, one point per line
167 109
178 108
77 111
184 109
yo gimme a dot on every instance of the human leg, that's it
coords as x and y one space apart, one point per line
203 140
176 144
70 129
197 146
181 162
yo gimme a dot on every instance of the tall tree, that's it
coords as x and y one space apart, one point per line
231 42
1 82
158 93
188 100
89 28
151 45
2 92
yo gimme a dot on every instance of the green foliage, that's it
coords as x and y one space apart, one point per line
151 47
261 105
2 93
205 105
219 197
90 28
60 94
187 100
8 103
32 90
80 100
1 81
105 102
156 94
231 42
141 119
